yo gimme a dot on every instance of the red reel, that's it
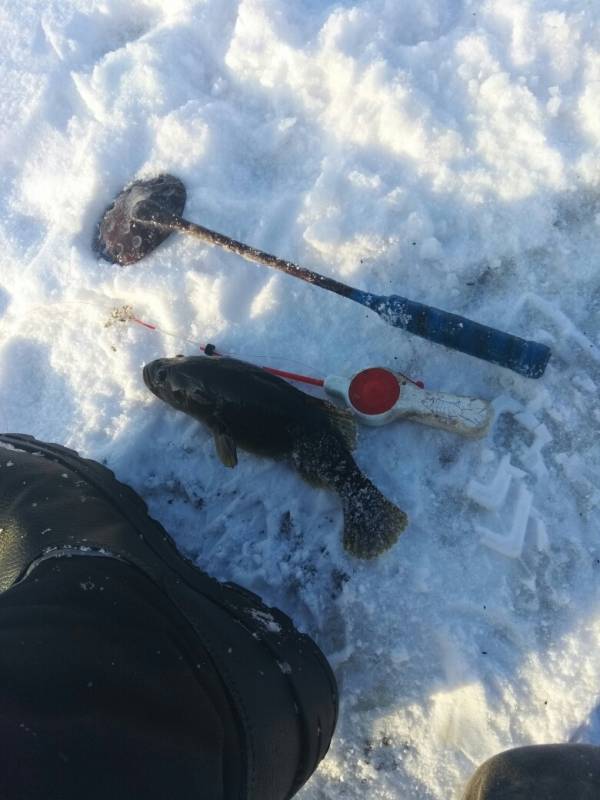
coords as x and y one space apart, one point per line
374 391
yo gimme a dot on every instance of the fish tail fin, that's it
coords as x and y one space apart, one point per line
372 524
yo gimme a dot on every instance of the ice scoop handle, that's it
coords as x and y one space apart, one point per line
524 356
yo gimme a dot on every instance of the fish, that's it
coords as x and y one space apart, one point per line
245 406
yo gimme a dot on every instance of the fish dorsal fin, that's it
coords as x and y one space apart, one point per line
341 419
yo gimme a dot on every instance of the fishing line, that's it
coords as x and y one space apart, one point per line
210 350
125 313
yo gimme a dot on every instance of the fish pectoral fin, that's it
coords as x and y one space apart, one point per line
226 448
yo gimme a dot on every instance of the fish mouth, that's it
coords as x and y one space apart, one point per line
146 374
151 374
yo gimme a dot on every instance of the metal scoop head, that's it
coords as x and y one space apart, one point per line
139 219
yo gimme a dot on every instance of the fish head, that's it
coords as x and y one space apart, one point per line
181 382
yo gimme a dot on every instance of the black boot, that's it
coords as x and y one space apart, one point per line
539 772
279 687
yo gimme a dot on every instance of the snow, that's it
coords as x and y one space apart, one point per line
446 150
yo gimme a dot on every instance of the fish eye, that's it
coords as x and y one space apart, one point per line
161 374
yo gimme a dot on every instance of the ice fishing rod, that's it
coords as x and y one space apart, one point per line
376 395
210 350
146 212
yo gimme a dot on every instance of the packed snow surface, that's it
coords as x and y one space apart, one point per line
445 150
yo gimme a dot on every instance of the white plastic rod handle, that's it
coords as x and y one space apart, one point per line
468 416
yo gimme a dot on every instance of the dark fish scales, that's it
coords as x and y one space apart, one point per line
245 406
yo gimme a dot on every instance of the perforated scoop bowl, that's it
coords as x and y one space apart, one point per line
139 219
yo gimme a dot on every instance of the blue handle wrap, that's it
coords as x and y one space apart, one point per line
525 357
